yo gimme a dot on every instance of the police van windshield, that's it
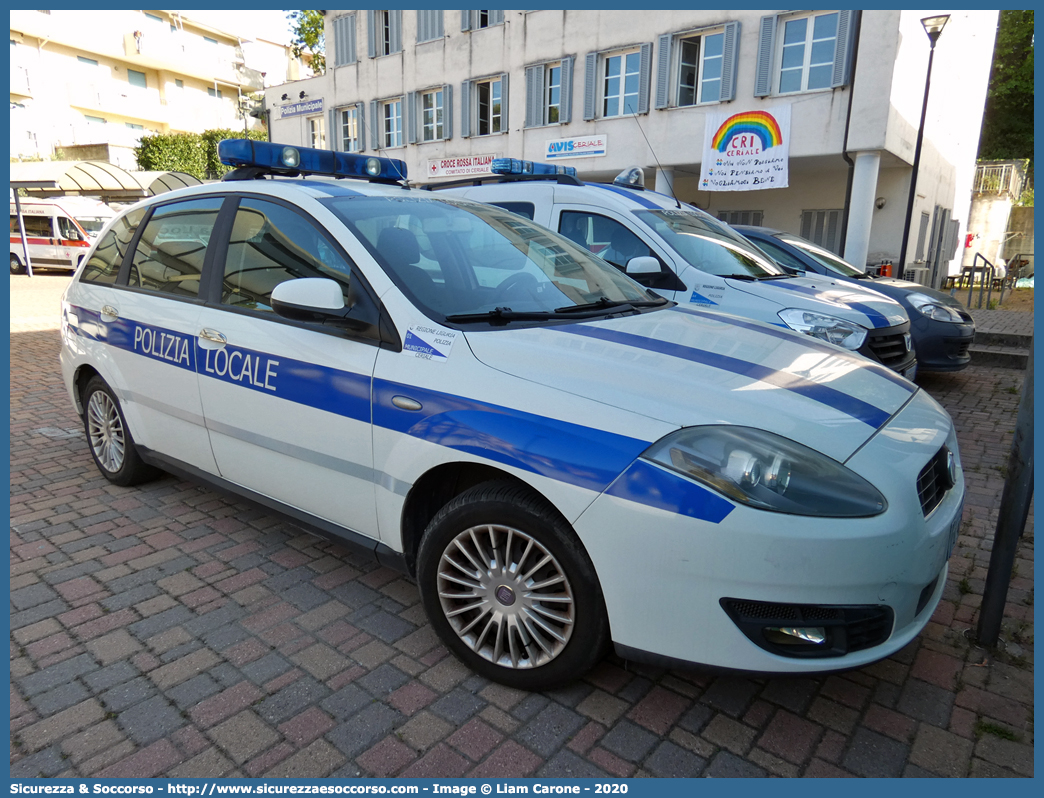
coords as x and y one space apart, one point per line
710 245
455 258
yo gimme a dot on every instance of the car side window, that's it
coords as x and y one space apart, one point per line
602 236
271 244
104 263
169 256
526 209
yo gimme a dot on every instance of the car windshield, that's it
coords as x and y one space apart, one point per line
827 258
709 245
92 225
457 258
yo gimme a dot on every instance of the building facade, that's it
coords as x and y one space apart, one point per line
92 78
447 90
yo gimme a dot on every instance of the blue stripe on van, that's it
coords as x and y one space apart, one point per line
878 319
825 395
785 333
635 196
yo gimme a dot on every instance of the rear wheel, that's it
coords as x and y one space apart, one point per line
510 590
109 438
16 265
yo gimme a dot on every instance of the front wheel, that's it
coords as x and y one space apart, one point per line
109 438
510 590
16 265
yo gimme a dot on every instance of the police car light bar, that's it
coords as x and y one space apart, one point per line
278 158
514 166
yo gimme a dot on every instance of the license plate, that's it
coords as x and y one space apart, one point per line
955 528
911 373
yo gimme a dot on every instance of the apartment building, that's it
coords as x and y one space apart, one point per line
447 90
90 77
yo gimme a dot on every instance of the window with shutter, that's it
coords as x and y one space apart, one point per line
344 40
429 25
823 228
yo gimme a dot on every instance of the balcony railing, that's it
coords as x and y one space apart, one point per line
999 178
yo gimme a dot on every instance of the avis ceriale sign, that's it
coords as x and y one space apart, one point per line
747 151
465 166
578 147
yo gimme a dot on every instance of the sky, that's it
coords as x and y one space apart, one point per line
268 24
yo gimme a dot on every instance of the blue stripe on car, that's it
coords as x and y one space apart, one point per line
849 405
648 484
635 196
879 319
807 341
578 455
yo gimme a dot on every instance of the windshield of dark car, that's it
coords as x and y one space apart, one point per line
709 245
454 257
827 258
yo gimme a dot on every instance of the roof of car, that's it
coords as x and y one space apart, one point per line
769 231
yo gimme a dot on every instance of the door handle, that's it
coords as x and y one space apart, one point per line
213 335
110 311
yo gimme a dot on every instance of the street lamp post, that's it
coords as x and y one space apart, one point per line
933 26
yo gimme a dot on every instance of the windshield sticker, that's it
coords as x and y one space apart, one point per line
429 343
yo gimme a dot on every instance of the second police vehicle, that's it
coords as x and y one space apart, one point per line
687 255
562 459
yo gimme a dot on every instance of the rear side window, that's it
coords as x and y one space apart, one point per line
526 209
169 256
104 263
35 226
271 244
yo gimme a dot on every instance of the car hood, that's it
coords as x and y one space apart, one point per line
823 294
910 288
688 367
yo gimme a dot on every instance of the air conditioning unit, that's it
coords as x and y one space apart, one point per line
916 274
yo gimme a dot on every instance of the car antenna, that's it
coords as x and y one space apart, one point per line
669 182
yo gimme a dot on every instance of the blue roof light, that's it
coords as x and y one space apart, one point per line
514 166
308 160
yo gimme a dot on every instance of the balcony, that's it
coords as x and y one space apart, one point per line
1000 177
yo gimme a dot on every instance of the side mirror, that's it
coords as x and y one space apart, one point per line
316 299
643 264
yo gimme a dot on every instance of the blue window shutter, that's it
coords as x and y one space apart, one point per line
766 47
423 33
504 102
644 75
376 125
534 96
395 30
352 52
447 111
730 61
496 17
465 109
846 28
361 109
465 21
339 41
565 113
590 86
334 135
663 70
371 31
410 111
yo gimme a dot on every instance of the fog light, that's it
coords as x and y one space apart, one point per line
290 157
795 635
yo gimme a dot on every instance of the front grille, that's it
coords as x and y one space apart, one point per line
932 482
889 349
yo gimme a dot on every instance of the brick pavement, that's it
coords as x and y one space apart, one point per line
166 630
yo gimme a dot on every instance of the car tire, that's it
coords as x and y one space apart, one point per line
16 265
109 437
485 596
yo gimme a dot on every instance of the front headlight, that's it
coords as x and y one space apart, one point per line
827 328
933 308
764 470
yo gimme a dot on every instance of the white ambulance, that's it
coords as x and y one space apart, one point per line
59 231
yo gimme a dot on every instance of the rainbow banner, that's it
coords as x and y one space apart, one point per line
748 151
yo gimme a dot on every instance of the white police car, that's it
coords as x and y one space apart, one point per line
687 255
560 457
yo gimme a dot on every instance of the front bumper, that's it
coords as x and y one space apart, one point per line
664 575
941 345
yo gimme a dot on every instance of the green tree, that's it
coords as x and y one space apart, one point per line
1007 129
309 37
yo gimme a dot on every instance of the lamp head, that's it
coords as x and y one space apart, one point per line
933 26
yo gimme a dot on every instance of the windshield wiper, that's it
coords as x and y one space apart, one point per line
747 277
504 314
